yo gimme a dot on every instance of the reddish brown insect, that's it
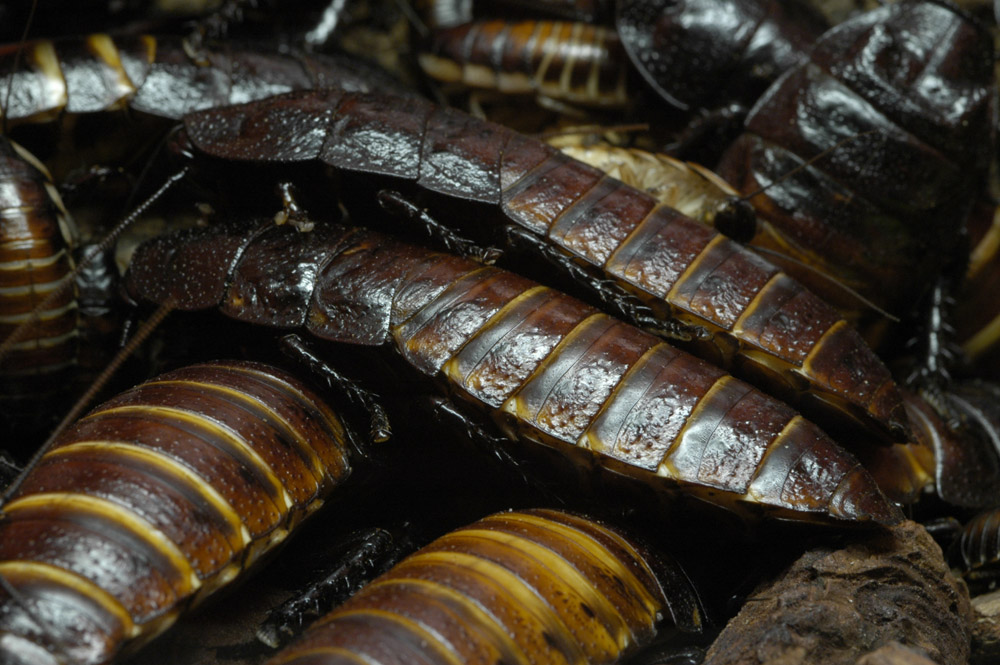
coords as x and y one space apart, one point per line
36 239
549 369
515 588
742 312
155 500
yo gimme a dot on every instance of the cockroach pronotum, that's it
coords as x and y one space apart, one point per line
518 587
747 315
903 101
549 369
715 57
155 500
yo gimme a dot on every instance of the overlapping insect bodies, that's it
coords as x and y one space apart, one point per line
903 101
155 500
746 314
711 55
549 369
518 587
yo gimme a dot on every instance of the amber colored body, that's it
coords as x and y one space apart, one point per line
548 368
758 322
902 100
573 62
536 586
36 237
153 501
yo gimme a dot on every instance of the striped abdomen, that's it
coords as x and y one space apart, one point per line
36 236
760 322
153 501
549 368
574 62
535 586
162 76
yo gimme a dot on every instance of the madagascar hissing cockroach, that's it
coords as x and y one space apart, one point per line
547 368
712 59
37 303
577 63
155 500
709 54
521 587
451 13
165 77
902 101
734 308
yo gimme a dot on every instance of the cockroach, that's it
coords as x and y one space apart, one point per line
903 99
154 501
549 369
518 587
715 57
452 13
576 63
37 237
165 77
734 308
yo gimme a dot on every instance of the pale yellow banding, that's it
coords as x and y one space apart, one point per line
599 552
572 54
548 50
47 61
28 264
818 346
314 463
44 342
443 646
157 459
592 442
292 654
693 267
120 516
81 585
441 69
21 291
216 429
591 87
983 340
520 590
796 422
570 576
985 249
513 404
103 47
484 619
666 468
450 367
42 315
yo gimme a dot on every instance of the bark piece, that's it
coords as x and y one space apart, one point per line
837 606
986 629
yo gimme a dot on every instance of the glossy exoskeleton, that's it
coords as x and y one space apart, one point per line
550 370
902 101
733 307
518 587
154 501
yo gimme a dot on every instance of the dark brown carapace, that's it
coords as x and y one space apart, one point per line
897 107
155 500
522 587
547 368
